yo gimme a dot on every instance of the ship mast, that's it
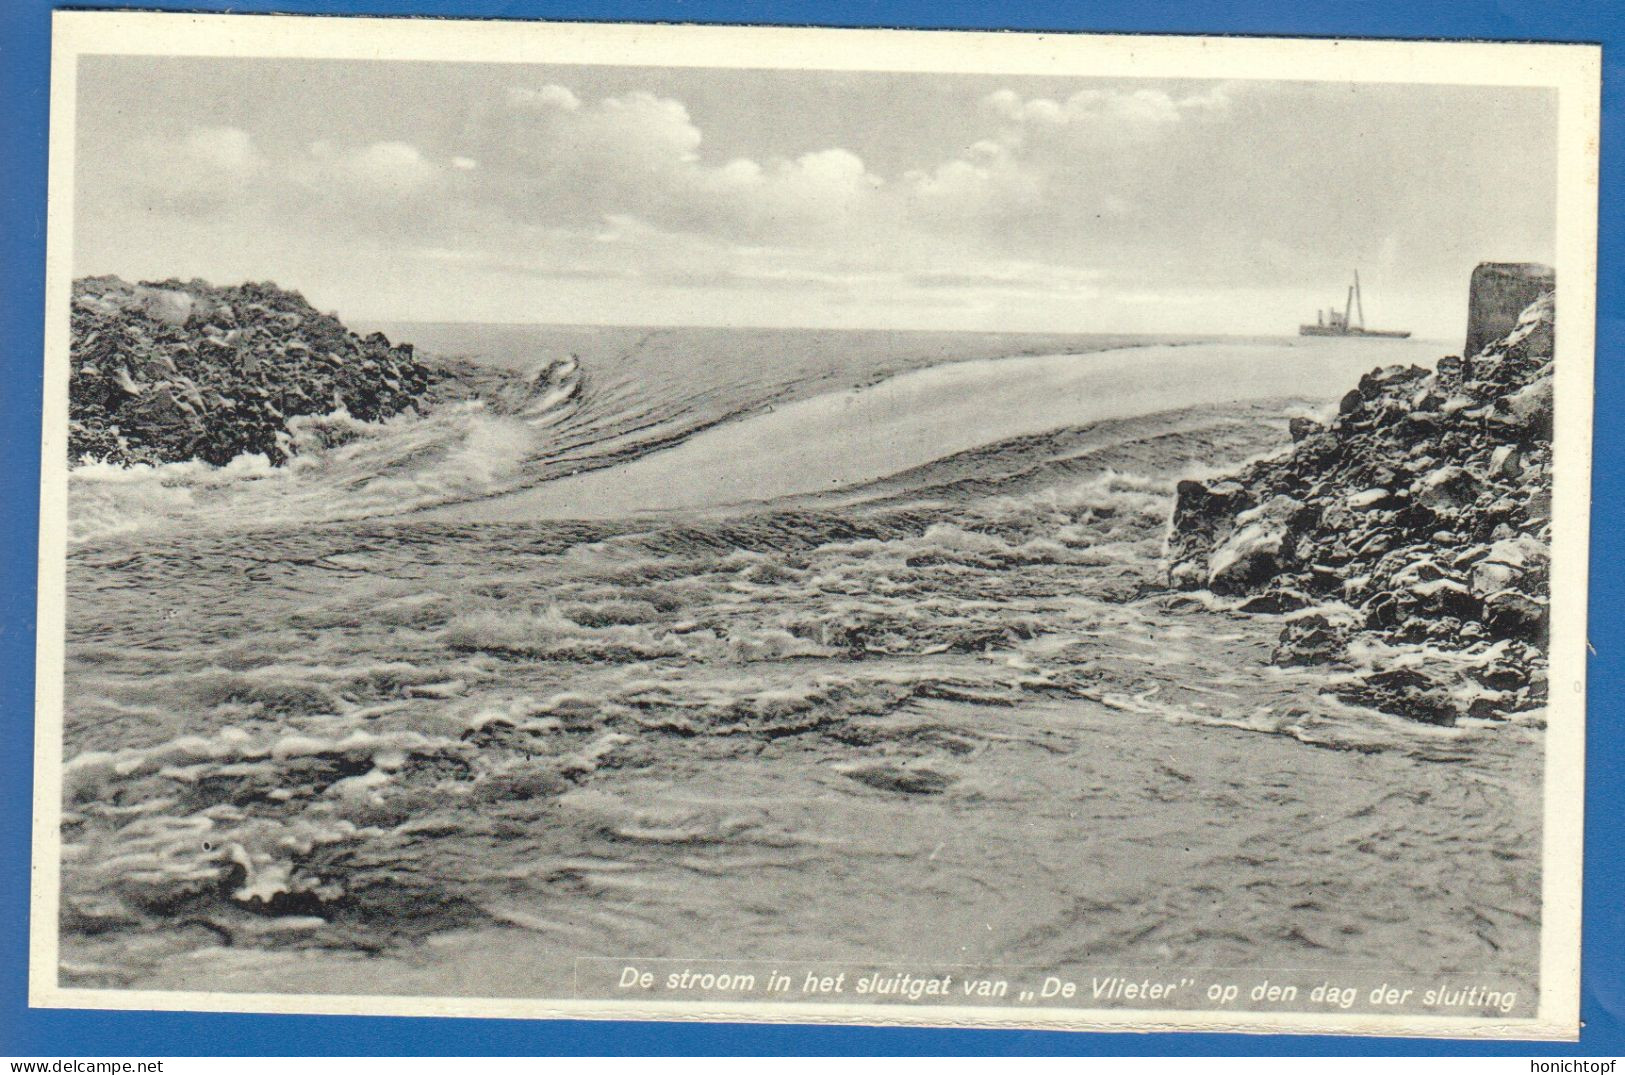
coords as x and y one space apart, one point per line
1350 321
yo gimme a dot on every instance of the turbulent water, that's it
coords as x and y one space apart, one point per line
816 646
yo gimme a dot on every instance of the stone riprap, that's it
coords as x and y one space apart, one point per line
170 372
1406 543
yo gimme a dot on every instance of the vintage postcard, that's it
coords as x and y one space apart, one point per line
615 521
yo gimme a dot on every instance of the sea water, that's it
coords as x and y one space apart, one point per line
744 645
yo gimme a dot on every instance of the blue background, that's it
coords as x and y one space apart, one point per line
24 91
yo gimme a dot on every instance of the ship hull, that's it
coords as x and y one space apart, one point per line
1367 333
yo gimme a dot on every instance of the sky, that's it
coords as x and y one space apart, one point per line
390 190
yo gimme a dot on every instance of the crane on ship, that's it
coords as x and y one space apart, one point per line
1332 322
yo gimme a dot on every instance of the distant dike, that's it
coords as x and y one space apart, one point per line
1417 523
170 372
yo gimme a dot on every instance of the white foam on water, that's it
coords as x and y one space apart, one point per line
809 724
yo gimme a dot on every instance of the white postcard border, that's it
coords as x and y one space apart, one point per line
1573 70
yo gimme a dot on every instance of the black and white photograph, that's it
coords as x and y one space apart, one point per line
551 520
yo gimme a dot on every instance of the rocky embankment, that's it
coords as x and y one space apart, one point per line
1407 542
171 371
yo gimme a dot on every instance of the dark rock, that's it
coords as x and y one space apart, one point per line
1405 692
1511 561
172 371
1383 610
1442 597
1504 675
1374 545
1446 489
1419 422
1505 462
1303 428
1425 507
1528 410
1256 549
1493 705
1511 614
1202 516
1275 602
1310 640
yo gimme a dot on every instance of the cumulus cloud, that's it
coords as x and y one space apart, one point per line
550 96
554 157
395 170
609 193
556 182
829 185
620 187
1047 166
989 181
194 171
1139 114
640 152
637 130
210 170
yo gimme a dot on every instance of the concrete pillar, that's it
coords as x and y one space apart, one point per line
1499 292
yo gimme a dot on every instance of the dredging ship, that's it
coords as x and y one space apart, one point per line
1331 322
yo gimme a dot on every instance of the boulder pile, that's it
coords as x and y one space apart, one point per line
171 371
1406 542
